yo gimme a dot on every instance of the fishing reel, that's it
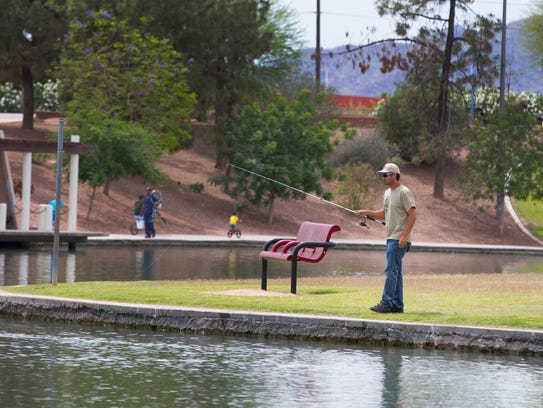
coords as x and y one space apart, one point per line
363 222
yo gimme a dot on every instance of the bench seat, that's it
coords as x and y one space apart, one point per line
310 245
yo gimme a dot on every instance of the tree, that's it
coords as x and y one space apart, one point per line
281 140
458 52
505 158
112 71
117 149
234 49
407 120
533 26
359 186
29 44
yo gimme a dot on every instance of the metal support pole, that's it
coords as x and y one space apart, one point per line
26 190
74 181
56 238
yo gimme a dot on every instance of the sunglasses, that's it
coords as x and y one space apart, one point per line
383 175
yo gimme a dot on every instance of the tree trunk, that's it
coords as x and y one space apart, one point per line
439 180
270 213
91 202
107 187
28 97
443 107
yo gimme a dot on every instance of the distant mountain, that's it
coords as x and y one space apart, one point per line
346 79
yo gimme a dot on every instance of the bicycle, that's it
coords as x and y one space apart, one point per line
234 231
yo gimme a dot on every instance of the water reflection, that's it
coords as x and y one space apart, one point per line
53 364
22 267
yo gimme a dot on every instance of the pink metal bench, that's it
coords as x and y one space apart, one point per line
310 245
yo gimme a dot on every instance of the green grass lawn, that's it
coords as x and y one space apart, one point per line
531 212
496 300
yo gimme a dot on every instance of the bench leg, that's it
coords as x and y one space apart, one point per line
264 283
293 274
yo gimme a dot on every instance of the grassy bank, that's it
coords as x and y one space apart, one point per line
531 211
496 300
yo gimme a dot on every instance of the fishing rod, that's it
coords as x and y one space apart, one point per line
362 222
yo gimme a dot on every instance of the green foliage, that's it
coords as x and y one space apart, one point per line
29 33
245 44
505 156
533 26
373 150
407 121
445 50
196 187
118 149
358 187
531 212
113 71
282 140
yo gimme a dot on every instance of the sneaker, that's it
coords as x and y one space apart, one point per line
382 308
147 236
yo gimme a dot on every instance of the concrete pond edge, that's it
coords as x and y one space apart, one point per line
296 326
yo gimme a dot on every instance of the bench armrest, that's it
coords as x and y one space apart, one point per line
304 244
286 246
273 241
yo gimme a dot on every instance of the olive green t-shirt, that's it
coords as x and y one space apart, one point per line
397 204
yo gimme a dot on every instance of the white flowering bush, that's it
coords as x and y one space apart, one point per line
46 97
487 101
11 99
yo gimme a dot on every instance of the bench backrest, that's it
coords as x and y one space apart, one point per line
316 232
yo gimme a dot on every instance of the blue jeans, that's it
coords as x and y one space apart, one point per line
393 290
149 224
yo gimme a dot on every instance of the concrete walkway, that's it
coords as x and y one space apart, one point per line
10 117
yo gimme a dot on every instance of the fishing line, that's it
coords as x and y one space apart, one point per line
362 223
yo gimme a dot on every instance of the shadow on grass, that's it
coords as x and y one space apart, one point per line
322 291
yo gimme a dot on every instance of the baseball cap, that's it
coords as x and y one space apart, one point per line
390 168
148 189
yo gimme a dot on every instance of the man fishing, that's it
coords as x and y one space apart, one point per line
399 214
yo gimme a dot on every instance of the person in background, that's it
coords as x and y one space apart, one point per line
150 202
399 214
234 219
53 204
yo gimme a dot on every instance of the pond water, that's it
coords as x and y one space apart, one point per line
90 263
62 365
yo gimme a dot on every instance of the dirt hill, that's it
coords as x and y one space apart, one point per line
189 212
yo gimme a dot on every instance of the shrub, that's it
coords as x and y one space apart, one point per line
196 187
45 97
11 99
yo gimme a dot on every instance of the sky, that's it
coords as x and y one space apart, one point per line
339 17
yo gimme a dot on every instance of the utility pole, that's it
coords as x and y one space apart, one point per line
503 57
500 197
318 50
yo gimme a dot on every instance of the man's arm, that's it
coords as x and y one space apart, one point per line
377 214
411 218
